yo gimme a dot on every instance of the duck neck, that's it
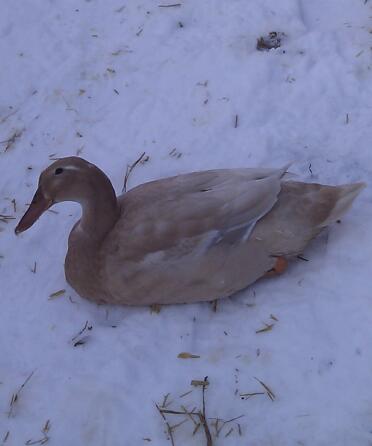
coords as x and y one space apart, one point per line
100 208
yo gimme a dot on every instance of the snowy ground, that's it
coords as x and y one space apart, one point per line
111 79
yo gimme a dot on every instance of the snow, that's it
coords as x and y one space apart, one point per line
113 79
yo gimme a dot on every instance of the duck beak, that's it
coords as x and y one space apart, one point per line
38 205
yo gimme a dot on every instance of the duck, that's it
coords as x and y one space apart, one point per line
193 237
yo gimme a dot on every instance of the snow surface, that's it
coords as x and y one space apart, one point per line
111 79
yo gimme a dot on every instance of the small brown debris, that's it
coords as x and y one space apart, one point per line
197 382
46 427
175 5
81 341
56 294
16 395
272 40
11 140
170 433
130 169
246 396
268 327
185 394
86 327
165 400
175 154
186 355
79 150
196 429
229 432
5 218
6 437
6 117
155 308
214 305
302 258
269 392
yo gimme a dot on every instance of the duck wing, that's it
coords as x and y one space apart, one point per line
213 206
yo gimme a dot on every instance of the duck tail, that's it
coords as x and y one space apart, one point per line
346 196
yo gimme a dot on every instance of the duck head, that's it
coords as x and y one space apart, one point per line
67 179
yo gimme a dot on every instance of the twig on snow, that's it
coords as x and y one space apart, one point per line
10 141
167 424
175 5
16 395
130 169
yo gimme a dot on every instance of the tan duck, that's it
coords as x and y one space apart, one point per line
194 237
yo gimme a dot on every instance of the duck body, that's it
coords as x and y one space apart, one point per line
193 237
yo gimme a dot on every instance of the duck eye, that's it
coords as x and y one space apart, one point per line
58 171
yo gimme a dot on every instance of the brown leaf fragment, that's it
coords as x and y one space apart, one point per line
186 355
